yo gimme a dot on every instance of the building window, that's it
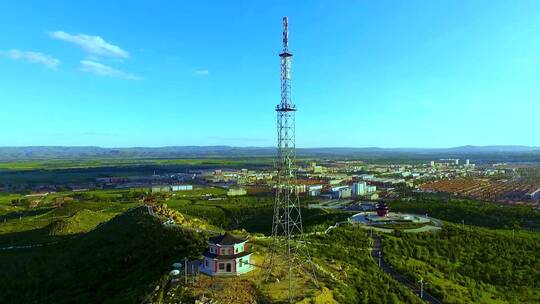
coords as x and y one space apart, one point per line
221 266
241 262
206 263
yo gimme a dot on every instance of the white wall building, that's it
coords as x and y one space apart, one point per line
359 189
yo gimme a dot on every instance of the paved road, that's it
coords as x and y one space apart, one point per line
376 250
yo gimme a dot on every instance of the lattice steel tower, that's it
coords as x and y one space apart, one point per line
289 248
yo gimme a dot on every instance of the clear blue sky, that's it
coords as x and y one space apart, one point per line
365 73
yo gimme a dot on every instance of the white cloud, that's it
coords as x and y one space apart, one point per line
202 72
104 70
33 57
94 45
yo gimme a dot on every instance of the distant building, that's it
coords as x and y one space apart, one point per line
167 188
366 176
335 181
236 192
341 192
432 163
359 189
181 187
158 189
227 255
301 188
315 169
467 162
314 190
371 188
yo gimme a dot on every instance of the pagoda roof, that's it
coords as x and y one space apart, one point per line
227 239
208 254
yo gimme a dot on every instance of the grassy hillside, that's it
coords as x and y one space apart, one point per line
22 225
471 264
82 221
347 268
252 213
114 263
91 254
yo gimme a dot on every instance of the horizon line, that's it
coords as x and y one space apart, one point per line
265 147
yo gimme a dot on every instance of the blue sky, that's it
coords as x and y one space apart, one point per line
365 73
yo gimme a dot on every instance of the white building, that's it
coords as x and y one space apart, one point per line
341 192
359 189
315 190
181 187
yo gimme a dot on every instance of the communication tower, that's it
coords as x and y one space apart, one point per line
289 249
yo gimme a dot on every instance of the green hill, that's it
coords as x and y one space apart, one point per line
82 221
115 263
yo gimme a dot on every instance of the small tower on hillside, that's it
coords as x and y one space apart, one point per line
227 255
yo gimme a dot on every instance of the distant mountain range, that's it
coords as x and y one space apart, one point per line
60 152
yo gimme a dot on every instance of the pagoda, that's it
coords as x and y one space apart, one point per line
382 209
227 255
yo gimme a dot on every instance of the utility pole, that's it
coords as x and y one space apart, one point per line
380 254
421 281
185 270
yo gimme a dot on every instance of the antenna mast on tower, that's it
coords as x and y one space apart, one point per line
289 248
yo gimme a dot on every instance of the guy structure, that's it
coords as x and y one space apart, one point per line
289 248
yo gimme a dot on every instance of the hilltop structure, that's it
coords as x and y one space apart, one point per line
227 255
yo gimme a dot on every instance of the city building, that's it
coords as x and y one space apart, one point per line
359 189
227 255
314 190
158 189
181 187
301 189
167 188
341 192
